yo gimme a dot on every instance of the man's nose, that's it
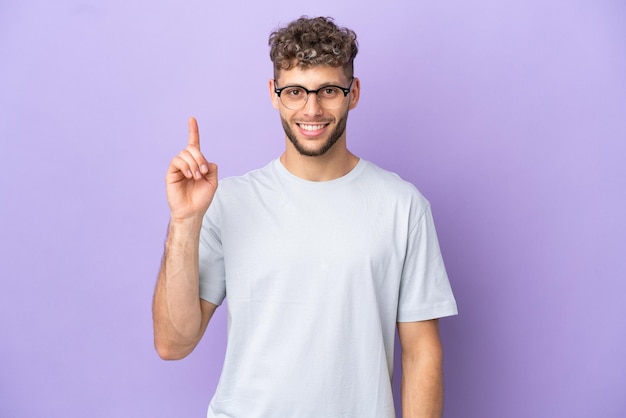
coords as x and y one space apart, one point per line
312 105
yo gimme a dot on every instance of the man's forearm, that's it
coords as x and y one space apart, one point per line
422 388
176 306
422 369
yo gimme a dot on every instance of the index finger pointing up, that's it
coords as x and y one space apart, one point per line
194 134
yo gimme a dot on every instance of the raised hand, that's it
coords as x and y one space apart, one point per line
191 181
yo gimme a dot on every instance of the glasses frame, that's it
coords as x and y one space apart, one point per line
278 91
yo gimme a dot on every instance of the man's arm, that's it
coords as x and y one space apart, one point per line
180 317
422 371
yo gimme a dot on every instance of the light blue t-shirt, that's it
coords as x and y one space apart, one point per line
317 274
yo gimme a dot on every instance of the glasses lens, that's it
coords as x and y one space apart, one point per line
330 97
293 97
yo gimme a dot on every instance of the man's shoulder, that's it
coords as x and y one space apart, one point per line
249 179
389 181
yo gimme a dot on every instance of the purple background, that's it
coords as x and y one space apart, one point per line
509 116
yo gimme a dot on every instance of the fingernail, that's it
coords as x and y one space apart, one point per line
189 173
204 168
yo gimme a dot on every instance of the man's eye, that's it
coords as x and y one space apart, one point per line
294 92
330 91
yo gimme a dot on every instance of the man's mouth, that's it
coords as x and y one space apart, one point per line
312 127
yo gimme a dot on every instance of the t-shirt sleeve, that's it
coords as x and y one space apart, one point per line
425 291
211 257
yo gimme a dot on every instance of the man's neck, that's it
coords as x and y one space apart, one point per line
333 164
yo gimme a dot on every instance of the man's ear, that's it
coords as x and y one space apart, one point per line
273 95
355 93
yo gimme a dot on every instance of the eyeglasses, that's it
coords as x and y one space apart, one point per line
295 97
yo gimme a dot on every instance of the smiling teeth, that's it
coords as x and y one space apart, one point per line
311 127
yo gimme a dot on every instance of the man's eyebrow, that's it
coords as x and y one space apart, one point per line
330 83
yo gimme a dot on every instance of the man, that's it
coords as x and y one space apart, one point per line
321 254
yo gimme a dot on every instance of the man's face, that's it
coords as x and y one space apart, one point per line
313 130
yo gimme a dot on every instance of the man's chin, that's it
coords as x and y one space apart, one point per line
311 151
311 148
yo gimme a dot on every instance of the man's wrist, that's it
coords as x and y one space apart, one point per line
185 228
186 222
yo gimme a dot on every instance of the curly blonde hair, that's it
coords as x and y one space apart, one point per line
309 42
